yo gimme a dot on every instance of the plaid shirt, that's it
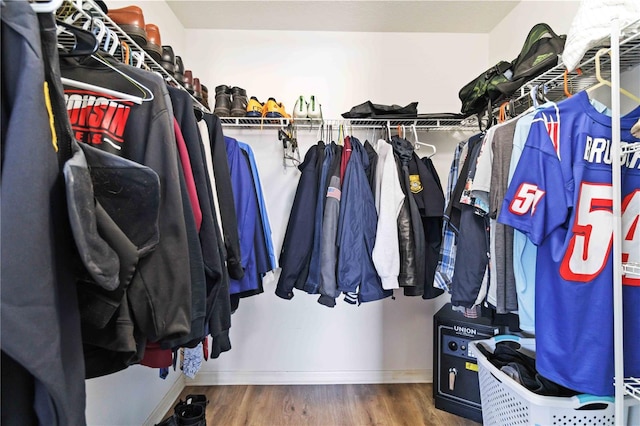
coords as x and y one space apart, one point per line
446 263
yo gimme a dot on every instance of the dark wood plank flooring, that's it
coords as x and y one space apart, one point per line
326 405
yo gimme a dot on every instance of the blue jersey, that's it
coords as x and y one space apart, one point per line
561 198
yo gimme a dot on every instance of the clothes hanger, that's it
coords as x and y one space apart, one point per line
46 7
603 82
418 143
565 80
111 43
533 93
139 59
116 94
125 51
85 42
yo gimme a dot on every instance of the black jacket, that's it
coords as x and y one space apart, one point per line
427 192
225 196
160 292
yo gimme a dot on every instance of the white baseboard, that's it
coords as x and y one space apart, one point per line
166 404
212 378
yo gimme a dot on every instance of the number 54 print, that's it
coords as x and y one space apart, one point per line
592 239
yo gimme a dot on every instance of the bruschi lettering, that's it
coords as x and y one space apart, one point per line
598 150
97 118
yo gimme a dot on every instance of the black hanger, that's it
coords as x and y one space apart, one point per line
85 44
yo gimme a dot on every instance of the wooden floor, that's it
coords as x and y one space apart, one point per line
326 405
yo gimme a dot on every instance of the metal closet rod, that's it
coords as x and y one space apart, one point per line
359 123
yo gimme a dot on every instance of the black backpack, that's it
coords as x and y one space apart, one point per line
540 53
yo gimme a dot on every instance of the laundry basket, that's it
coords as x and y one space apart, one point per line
506 402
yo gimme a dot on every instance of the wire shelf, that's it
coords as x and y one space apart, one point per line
71 7
553 79
631 268
359 123
632 387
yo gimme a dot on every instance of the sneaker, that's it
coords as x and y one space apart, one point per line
223 101
254 107
273 109
314 109
300 108
239 102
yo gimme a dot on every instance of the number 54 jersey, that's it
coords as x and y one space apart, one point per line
561 198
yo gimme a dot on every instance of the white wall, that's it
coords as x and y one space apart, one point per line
299 340
341 69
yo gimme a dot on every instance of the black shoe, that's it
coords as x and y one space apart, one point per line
179 70
223 101
190 415
239 102
171 421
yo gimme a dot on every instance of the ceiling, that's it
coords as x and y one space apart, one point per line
360 16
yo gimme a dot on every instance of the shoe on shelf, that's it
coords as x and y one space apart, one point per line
314 109
239 102
300 108
154 42
223 101
205 96
197 89
187 81
179 70
131 20
273 109
254 107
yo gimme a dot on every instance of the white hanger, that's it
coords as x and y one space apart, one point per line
48 7
82 85
418 143
603 82
127 77
139 57
115 42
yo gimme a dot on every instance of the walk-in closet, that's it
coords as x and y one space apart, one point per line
320 212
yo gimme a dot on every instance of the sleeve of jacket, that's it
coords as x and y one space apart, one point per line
225 196
163 287
246 211
386 251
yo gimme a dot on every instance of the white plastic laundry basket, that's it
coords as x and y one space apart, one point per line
506 402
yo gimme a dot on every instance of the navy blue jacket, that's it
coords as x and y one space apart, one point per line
357 231
298 240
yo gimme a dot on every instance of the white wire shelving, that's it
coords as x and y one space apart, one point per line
450 124
553 79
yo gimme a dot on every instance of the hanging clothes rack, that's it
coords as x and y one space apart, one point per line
89 7
624 386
